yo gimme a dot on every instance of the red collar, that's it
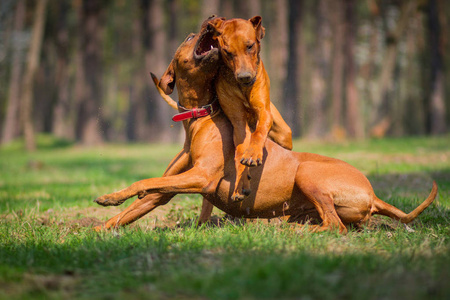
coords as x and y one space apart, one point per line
196 112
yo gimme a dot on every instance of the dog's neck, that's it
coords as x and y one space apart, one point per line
194 94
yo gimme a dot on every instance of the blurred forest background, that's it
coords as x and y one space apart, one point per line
339 69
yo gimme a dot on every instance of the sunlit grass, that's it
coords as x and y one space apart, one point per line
47 252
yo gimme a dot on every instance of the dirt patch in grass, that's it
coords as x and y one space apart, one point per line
85 222
163 216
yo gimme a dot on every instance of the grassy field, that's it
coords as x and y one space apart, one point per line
48 249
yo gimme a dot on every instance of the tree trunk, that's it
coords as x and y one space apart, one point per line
412 107
368 69
247 9
32 65
173 44
209 7
11 123
227 9
353 118
154 115
291 86
63 121
337 127
321 70
437 110
175 131
381 119
139 77
89 118
277 38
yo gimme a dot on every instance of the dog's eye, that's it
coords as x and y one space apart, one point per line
250 47
190 37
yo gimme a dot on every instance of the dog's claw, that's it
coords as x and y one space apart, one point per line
250 162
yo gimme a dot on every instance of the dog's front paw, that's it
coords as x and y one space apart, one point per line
252 158
109 200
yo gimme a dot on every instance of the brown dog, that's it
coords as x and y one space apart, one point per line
286 184
243 89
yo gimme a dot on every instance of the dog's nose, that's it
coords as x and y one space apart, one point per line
244 77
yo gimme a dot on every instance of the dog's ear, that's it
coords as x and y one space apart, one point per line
260 30
167 82
215 25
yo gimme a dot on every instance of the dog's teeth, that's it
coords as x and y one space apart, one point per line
211 47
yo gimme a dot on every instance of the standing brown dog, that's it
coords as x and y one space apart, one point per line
243 88
286 184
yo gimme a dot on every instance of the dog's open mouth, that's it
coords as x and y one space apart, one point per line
205 44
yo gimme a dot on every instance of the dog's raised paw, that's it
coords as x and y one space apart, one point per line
251 160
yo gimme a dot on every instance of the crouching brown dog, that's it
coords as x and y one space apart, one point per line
285 184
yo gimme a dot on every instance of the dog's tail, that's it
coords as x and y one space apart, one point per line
382 208
166 98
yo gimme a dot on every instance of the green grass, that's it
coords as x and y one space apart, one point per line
46 252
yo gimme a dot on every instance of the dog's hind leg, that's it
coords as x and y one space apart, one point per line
205 214
323 203
327 212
